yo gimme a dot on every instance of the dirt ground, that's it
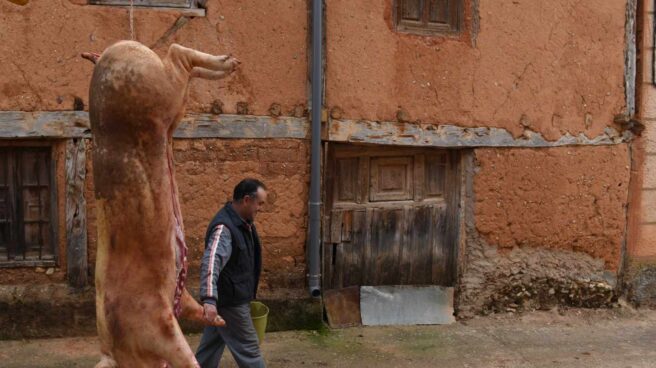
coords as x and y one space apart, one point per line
620 338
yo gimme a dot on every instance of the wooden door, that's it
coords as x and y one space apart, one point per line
388 220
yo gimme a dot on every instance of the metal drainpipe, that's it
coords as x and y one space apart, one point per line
314 277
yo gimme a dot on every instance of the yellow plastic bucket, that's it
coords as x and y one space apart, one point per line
260 316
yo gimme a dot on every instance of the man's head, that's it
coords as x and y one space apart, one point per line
248 197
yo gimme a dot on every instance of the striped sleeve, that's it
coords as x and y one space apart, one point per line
216 256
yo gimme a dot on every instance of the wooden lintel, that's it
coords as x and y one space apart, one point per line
452 136
186 11
75 124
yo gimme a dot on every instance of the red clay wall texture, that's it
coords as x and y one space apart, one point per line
552 67
40 43
570 198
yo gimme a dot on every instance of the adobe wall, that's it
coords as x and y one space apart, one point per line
40 44
544 227
552 68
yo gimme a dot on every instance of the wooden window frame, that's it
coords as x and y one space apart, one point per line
191 8
423 26
53 208
147 3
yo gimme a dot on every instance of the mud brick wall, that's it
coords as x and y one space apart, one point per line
207 171
552 69
41 43
545 227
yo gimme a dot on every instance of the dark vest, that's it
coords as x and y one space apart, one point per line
239 278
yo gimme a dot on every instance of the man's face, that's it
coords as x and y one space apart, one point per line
252 204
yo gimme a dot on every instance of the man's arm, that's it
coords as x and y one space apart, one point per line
216 256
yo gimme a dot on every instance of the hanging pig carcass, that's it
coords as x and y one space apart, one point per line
136 101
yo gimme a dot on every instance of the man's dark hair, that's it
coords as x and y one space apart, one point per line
246 187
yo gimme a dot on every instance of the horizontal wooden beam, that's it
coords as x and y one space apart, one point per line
188 12
75 124
242 126
28 264
55 124
430 135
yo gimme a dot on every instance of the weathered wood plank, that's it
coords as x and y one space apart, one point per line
431 135
347 172
76 223
343 307
420 239
363 180
391 178
441 250
21 263
407 248
419 173
338 265
385 246
452 218
187 12
182 7
435 175
354 250
56 124
75 124
327 257
241 126
347 226
147 3
336 227
366 251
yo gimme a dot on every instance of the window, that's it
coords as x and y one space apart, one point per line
149 3
428 16
26 201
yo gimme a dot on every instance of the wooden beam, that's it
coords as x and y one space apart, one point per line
181 7
452 136
75 124
55 124
76 218
242 126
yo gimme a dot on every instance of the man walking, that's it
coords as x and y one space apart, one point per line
230 273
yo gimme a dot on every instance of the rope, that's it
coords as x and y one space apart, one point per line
132 19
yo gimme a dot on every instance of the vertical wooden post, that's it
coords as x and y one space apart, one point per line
76 216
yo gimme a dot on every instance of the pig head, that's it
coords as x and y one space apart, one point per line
136 101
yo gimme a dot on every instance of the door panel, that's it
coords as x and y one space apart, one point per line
391 179
387 218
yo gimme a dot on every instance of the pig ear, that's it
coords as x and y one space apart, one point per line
198 72
91 56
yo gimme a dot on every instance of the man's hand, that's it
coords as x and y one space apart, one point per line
211 315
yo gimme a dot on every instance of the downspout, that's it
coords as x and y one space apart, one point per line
314 277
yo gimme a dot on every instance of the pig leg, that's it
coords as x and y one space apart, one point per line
91 56
192 311
203 73
167 342
200 64
106 362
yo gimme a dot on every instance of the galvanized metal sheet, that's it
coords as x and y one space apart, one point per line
406 305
